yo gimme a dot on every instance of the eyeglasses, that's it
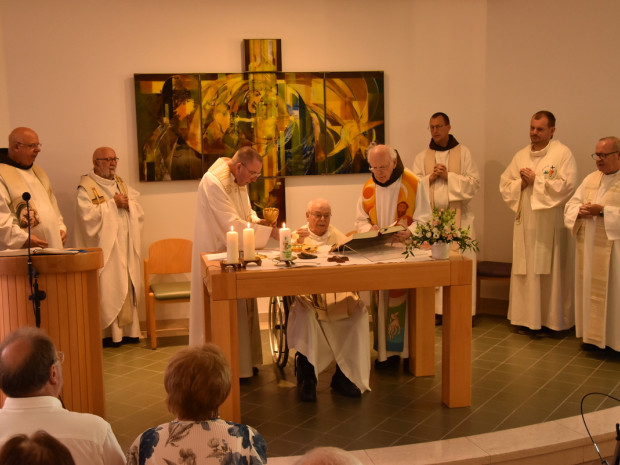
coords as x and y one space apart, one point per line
439 126
109 160
380 168
602 156
60 357
319 215
254 174
31 146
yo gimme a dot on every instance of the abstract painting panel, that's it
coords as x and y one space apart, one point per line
300 123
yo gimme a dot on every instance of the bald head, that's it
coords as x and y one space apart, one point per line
24 146
105 162
27 364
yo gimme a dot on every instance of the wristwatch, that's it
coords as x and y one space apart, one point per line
601 212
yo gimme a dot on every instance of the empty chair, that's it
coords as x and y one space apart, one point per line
166 257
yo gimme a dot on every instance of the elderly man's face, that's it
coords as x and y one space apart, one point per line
318 218
105 164
26 147
381 163
608 159
247 172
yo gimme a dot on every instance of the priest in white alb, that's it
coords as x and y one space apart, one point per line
593 216
109 216
324 328
536 185
451 178
18 176
223 202
393 195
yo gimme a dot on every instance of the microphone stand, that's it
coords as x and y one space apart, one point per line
36 295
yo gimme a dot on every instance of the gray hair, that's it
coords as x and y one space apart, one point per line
245 155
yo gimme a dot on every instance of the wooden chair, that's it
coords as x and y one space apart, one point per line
166 257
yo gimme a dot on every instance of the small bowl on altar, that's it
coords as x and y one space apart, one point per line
271 214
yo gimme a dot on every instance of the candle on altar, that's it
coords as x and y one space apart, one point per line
232 246
249 244
286 246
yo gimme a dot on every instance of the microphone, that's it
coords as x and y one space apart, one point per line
26 197
37 295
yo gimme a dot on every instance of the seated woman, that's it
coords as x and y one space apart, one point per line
38 449
197 381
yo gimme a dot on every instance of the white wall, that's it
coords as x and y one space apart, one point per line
488 64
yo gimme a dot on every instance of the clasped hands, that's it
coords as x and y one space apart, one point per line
439 171
122 201
589 210
527 177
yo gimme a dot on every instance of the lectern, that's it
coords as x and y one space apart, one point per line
69 314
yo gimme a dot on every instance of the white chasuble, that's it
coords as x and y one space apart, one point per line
117 232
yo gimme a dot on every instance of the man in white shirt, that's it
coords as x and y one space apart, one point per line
536 185
451 178
109 216
31 378
391 184
321 330
18 175
593 216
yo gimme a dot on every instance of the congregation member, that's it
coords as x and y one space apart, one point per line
109 216
451 178
328 456
390 184
536 185
323 328
197 381
38 449
19 175
31 378
593 216
222 203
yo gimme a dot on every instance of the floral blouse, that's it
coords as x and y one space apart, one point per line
198 442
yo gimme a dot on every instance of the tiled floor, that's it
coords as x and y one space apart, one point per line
517 380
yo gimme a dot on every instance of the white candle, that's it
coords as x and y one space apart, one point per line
286 246
232 246
249 246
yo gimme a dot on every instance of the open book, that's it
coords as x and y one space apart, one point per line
38 251
369 238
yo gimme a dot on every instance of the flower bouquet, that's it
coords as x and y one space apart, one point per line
441 228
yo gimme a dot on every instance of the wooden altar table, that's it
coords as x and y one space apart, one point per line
223 288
